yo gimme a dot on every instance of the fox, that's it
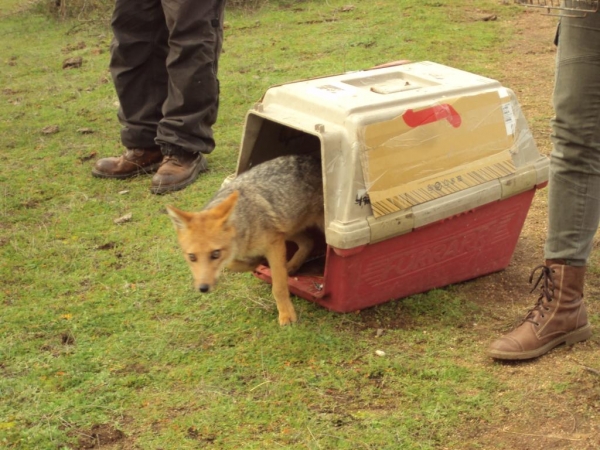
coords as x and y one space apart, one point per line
250 219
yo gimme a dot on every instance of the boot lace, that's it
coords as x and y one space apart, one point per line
545 281
172 159
132 153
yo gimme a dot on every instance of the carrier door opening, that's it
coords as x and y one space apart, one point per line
264 140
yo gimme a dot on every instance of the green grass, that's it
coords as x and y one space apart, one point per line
99 325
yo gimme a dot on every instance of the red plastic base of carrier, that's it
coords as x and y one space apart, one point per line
459 248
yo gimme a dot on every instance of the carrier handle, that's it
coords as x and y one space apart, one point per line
432 114
399 62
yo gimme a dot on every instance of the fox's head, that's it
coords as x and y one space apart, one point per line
207 240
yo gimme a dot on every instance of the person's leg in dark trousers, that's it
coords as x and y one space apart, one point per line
190 109
164 61
138 53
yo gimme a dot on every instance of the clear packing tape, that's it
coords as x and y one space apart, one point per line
437 149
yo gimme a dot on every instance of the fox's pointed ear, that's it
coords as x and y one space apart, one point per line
224 209
179 218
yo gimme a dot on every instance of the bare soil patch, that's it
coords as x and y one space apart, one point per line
100 436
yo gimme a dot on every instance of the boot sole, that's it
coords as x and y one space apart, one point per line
141 171
580 334
163 189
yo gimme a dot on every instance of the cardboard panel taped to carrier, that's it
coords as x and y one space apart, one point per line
437 149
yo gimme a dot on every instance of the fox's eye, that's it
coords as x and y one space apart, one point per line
192 257
216 254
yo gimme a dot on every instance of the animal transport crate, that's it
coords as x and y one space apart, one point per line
428 175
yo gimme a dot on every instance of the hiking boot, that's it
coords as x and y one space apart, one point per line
178 170
134 161
559 317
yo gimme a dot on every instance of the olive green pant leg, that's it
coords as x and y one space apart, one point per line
574 186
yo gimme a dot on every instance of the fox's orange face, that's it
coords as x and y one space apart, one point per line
206 240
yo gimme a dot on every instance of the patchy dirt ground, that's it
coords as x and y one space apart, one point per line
548 419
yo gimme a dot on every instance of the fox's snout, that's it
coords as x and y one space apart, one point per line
205 282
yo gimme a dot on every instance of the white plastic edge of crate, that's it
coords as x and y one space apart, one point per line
371 230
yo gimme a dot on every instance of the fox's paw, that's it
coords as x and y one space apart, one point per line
292 268
287 319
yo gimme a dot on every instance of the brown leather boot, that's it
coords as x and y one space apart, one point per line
134 161
558 317
178 170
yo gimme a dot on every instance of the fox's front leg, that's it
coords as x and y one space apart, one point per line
276 257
